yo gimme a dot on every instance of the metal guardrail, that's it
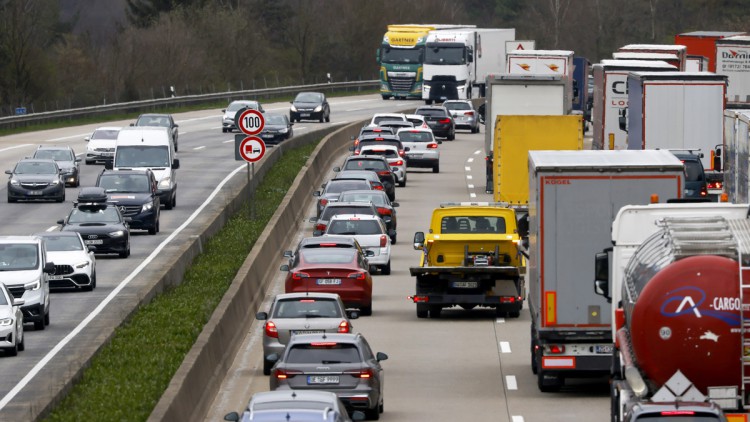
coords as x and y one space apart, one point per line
135 106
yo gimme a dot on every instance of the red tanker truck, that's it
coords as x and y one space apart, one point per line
683 330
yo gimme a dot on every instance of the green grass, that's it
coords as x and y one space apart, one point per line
128 377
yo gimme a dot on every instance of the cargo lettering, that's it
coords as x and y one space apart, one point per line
620 87
556 181
726 304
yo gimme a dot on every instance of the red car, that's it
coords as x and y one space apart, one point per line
332 270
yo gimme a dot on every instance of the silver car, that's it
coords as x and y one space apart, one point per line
11 323
340 363
301 313
275 405
227 118
391 154
423 148
101 144
464 114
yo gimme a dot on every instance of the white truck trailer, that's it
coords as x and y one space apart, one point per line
679 50
543 62
573 199
733 60
457 62
736 158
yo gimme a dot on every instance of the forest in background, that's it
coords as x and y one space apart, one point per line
57 54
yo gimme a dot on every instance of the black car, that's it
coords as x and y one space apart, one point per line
386 209
310 106
333 189
135 194
338 207
696 183
35 179
160 120
439 120
277 128
100 224
377 164
66 160
372 131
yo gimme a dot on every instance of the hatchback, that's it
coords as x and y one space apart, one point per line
439 120
374 163
66 159
333 189
310 106
338 207
391 154
464 114
386 209
371 233
423 148
228 114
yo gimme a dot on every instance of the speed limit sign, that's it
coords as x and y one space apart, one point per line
250 122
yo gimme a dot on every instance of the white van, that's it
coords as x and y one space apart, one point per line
25 270
147 147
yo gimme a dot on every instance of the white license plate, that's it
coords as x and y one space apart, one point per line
108 154
308 331
328 281
604 349
35 193
266 135
415 156
304 114
323 379
94 242
465 284
55 277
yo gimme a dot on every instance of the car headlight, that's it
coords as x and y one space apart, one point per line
293 108
318 109
6 322
118 233
55 182
34 285
285 130
14 182
165 182
147 206
83 264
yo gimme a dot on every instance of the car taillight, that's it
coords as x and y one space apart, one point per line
283 374
271 330
397 163
677 413
356 142
356 152
321 227
469 113
344 327
704 192
414 131
432 146
361 373
300 275
377 186
715 185
357 276
384 211
401 152
383 241
323 201
444 121
384 173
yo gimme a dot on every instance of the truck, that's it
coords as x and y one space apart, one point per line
469 258
544 62
611 96
736 160
678 110
682 326
573 199
696 63
679 50
457 62
670 58
581 71
733 60
544 95
401 59
703 43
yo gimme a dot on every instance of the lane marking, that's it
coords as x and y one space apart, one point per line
517 419
200 147
17 146
477 152
183 133
470 186
355 109
472 195
467 168
51 229
470 160
510 382
504 347
501 321
226 142
468 176
111 296
67 137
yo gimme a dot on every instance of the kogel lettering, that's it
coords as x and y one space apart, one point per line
556 181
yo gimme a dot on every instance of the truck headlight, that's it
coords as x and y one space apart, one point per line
34 285
117 233
6 322
147 206
165 182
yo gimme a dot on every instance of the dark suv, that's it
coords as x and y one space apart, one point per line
439 120
135 195
377 164
696 184
100 224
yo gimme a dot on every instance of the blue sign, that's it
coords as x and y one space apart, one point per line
20 110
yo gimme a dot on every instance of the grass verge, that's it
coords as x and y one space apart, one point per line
130 374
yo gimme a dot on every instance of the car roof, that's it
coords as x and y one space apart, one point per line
457 101
20 239
54 147
348 204
415 116
108 128
366 157
154 115
37 160
387 114
248 102
414 129
144 172
286 395
394 122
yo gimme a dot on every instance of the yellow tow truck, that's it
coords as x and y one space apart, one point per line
470 257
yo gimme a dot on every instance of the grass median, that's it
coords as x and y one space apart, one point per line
129 375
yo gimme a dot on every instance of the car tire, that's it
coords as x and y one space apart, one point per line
90 287
393 239
402 183
12 351
126 253
428 102
93 280
386 97
372 414
267 365
475 129
436 169
46 318
422 310
39 325
366 310
386 270
88 163
223 130
153 229
11 200
328 118
435 311
170 204
22 344
322 118
452 136
61 199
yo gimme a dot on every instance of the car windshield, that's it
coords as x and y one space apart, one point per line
329 212
105 134
344 185
63 243
142 156
96 215
444 55
432 112
3 298
131 183
275 120
55 154
35 168
19 256
375 165
458 105
354 227
327 256
402 55
324 352
307 307
362 197
409 136
472 224
309 97
153 121
693 171
378 119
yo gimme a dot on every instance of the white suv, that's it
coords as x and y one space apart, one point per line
423 148
25 270
370 232
382 117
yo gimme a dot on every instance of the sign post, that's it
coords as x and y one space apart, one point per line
249 148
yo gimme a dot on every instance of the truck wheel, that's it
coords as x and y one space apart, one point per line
421 310
386 97
548 383
534 366
435 311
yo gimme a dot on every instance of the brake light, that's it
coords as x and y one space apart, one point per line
397 163
344 327
432 146
414 131
357 276
383 240
469 113
323 344
714 185
270 330
704 192
328 245
384 211
377 186
401 152
557 348
300 275
356 142
356 152
379 139
323 201
677 413
444 121
307 301
384 173
361 373
321 227
283 374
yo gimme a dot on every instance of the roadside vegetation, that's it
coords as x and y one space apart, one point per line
129 375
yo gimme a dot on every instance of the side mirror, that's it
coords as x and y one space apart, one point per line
273 357
601 275
352 137
312 220
287 254
316 193
223 110
132 124
407 149
352 314
62 221
232 416
88 138
380 356
418 240
49 267
338 169
317 233
78 160
439 142
262 316
91 248
394 204
284 267
18 302
8 172
176 125
387 219
109 164
175 163
127 219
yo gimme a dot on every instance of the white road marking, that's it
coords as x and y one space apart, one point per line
472 195
468 176
300 128
17 146
470 186
504 347
53 228
517 419
182 133
226 142
467 168
90 317
68 137
470 160
477 152
200 147
510 382
501 320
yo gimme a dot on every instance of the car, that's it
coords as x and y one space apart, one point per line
25 271
417 120
66 160
372 131
338 207
391 154
395 125
160 120
439 120
378 140
35 179
423 148
368 175
302 313
11 323
135 194
333 189
310 106
463 114
99 223
375 163
75 264
100 145
696 182
666 412
342 271
276 129
328 242
371 233
227 118
379 117
301 405
341 363
386 209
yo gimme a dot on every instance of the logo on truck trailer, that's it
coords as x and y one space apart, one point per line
732 54
687 305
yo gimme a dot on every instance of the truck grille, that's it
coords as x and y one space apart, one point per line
63 269
401 84
16 291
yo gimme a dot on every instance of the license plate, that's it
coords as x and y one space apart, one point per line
604 349
323 379
415 156
94 242
305 114
328 281
108 154
465 284
35 193
55 277
266 135
308 331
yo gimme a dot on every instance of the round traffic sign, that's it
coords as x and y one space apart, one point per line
250 122
252 149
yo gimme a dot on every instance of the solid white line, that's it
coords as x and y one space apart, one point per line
201 147
510 382
300 128
17 146
517 419
468 176
477 152
182 133
470 186
504 347
470 160
226 142
472 195
467 168
53 228
501 320
68 137
90 317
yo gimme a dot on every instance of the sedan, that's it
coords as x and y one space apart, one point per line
227 119
101 144
464 114
160 120
342 363
66 159
341 271
301 313
100 224
300 405
11 322
386 209
34 179
75 264
276 129
310 106
328 242
439 120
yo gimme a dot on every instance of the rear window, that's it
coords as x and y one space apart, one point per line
361 197
105 134
693 171
457 106
328 256
434 112
473 224
329 212
408 136
678 418
387 153
379 119
375 165
354 227
373 142
344 185
329 353
378 131
306 308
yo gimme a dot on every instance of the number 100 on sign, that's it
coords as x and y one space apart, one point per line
251 122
